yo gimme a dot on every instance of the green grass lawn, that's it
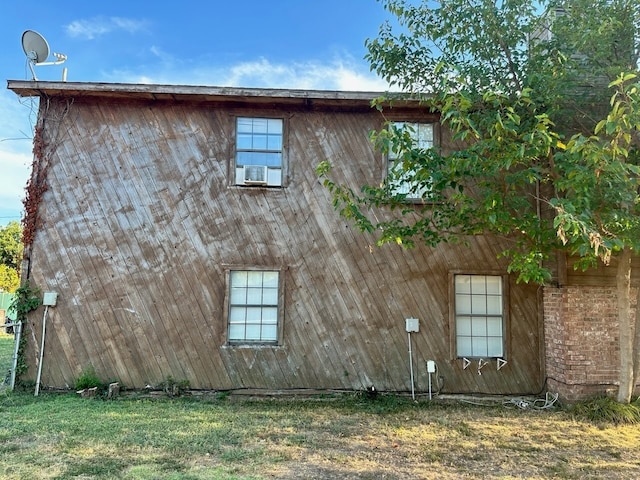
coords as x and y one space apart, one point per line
62 436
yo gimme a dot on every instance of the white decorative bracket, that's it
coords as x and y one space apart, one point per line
500 362
465 363
481 363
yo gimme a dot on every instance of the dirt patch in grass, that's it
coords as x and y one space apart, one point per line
463 442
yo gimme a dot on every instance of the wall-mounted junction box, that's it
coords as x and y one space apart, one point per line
412 325
49 299
431 366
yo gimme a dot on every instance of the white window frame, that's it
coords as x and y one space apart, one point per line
479 315
422 140
254 306
259 145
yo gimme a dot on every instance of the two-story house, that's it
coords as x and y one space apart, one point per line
187 234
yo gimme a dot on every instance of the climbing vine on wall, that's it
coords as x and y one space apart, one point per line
26 299
36 186
50 115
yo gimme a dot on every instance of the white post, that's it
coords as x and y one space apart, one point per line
44 328
413 395
18 333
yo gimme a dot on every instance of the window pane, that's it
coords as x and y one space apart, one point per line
244 141
254 314
270 296
259 142
244 158
238 279
478 284
238 296
494 305
494 347
270 279
253 332
494 285
237 314
274 125
254 279
479 304
425 135
269 315
271 159
494 326
479 326
269 333
259 158
463 283
260 125
245 125
463 326
274 142
463 346
254 296
236 332
479 347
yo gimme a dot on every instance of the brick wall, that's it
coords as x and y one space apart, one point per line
581 341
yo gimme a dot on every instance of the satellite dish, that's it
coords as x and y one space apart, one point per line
37 51
35 46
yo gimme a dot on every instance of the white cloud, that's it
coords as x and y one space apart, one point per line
338 74
92 28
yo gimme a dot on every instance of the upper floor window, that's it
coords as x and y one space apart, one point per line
258 159
479 316
254 306
401 181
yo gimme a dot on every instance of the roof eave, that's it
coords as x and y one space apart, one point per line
31 88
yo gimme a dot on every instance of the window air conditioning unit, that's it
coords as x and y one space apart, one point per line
255 174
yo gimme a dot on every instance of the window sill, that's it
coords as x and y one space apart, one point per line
253 346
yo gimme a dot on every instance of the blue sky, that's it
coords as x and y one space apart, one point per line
311 44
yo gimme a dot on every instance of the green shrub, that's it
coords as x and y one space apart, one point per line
89 379
607 410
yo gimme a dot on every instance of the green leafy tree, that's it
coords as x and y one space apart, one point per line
9 280
544 102
10 256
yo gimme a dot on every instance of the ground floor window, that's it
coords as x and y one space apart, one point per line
254 298
479 316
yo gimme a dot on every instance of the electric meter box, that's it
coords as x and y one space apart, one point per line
49 299
412 325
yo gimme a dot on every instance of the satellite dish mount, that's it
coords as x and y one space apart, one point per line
37 51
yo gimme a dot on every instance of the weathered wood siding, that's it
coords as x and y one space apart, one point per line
141 222
599 275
